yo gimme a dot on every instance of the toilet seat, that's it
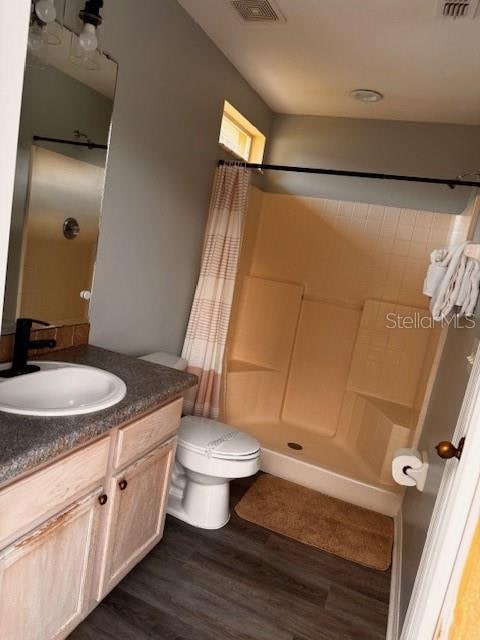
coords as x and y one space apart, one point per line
216 440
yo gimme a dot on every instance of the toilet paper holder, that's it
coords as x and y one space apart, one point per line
410 468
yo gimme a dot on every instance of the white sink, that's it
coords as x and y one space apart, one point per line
60 389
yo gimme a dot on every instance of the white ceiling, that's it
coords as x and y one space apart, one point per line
427 67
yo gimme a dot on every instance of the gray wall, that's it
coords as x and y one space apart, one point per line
447 397
384 146
53 105
172 82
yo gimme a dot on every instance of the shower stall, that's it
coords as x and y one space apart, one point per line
331 351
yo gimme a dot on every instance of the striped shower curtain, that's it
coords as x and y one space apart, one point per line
206 335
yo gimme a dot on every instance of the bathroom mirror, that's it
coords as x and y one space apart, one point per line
60 172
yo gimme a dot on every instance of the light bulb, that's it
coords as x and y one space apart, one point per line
88 38
45 10
35 38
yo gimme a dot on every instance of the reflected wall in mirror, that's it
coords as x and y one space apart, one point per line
61 188
48 270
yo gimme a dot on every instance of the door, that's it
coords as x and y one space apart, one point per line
450 415
137 514
47 575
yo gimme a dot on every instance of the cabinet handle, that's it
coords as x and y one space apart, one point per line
103 498
123 484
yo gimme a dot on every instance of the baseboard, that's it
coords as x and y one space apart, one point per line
393 627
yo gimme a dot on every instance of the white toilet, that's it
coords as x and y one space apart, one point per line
209 455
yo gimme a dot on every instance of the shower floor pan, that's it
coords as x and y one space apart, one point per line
324 464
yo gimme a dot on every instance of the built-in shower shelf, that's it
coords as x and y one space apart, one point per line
397 413
242 366
381 427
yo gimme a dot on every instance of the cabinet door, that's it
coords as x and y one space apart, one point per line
45 577
137 513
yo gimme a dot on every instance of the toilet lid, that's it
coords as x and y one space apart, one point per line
216 439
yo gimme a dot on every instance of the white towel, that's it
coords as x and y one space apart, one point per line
442 299
439 260
453 280
465 289
470 302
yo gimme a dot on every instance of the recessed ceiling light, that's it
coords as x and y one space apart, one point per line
366 95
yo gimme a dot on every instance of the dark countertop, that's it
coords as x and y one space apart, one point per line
29 441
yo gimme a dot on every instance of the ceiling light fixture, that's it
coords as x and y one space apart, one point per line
366 95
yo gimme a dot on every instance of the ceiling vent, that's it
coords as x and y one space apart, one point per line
457 8
257 11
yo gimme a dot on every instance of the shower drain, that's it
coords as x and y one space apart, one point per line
295 445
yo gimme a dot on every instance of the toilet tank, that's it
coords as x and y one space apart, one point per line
176 362
167 359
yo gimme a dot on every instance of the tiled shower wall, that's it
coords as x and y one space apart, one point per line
348 252
290 359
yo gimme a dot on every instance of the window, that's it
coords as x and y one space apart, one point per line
235 138
240 137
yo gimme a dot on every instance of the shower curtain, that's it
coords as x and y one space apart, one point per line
206 335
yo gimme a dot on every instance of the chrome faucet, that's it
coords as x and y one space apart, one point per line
22 346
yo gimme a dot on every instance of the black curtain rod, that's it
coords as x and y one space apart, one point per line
452 183
76 143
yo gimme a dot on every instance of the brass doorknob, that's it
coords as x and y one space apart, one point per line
447 450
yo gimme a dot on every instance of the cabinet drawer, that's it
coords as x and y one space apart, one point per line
138 437
25 502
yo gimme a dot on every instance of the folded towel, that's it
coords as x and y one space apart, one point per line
465 288
436 271
452 281
443 298
470 302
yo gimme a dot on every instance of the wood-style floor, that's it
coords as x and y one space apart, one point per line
241 582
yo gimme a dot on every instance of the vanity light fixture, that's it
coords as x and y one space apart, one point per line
45 10
36 38
45 27
366 95
84 48
91 18
88 38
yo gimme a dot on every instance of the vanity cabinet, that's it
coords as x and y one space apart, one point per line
72 530
32 500
45 577
137 513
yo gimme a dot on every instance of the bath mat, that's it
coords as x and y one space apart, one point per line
348 531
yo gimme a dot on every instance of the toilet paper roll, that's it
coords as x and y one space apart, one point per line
405 458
